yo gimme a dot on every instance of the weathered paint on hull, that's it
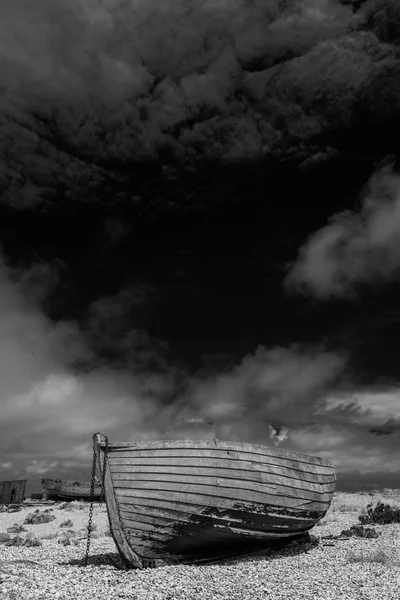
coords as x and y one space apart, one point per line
190 500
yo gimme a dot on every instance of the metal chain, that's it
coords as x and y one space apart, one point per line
91 506
104 470
92 482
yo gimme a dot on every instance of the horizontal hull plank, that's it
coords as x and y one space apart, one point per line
220 454
218 483
246 521
221 464
133 473
211 496
142 531
186 513
201 446
156 549
153 517
155 503
140 528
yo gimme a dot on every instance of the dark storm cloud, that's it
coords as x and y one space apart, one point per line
391 426
114 327
86 86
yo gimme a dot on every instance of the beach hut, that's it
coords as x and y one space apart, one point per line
12 492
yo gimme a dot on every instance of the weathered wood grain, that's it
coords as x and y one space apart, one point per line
221 445
215 453
12 492
186 514
177 498
216 464
191 499
127 552
192 491
226 478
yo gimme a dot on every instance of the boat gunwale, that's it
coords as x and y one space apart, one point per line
216 445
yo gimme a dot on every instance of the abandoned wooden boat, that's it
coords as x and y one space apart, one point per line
59 489
195 501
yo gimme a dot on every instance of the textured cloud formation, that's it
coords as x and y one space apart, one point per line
378 410
50 407
51 402
281 396
89 89
355 247
276 387
368 421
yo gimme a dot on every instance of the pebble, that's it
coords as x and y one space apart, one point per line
311 573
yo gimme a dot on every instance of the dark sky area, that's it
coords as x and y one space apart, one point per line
200 219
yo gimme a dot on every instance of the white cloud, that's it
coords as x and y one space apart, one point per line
355 247
49 410
319 438
40 467
272 388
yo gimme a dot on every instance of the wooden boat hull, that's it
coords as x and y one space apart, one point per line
58 489
192 501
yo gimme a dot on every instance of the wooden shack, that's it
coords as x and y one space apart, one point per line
12 492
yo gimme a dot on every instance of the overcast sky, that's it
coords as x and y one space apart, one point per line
200 218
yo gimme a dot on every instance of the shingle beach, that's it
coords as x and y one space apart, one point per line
326 568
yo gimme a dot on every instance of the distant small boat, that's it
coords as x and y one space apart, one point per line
198 501
36 496
59 489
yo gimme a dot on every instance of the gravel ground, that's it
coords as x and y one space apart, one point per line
311 572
